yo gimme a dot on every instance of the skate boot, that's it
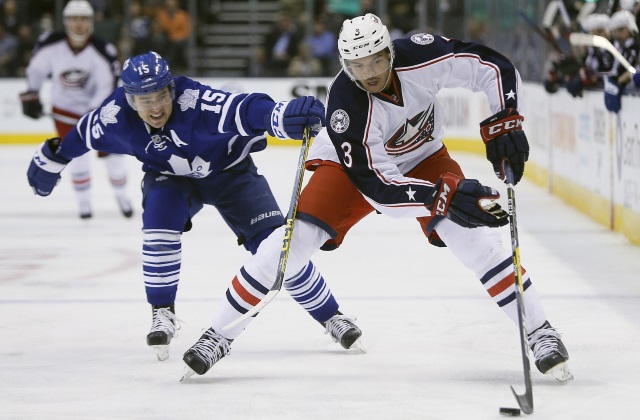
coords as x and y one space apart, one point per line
343 330
85 210
550 354
125 206
205 353
163 328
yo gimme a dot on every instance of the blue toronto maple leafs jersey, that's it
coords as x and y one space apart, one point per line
209 130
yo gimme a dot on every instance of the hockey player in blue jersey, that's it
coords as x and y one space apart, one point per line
194 142
382 151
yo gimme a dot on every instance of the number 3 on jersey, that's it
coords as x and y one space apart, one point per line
348 160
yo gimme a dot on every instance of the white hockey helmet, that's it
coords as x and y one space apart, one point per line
623 19
361 37
78 8
628 4
595 21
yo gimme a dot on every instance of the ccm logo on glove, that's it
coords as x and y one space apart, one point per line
443 194
491 131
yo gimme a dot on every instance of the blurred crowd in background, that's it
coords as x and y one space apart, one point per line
279 38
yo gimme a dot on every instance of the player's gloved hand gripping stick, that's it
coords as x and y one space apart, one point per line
288 231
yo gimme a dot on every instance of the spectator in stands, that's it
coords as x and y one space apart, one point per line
139 33
176 24
305 64
106 26
323 47
8 47
10 16
280 46
26 43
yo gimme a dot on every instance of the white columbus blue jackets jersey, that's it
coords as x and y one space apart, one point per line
80 79
209 130
380 137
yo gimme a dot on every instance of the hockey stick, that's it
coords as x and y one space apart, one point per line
578 38
544 35
288 232
525 401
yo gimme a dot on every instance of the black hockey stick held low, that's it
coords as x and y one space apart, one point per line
288 232
525 401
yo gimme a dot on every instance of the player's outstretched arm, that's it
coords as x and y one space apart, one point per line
288 119
460 201
45 167
506 143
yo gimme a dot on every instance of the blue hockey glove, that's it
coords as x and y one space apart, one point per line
289 118
612 95
31 106
44 170
636 80
459 201
505 142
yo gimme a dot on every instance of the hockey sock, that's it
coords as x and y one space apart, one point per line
243 294
499 282
309 289
161 259
117 170
482 251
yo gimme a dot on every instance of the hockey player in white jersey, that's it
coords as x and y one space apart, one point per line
624 31
382 151
83 70
194 142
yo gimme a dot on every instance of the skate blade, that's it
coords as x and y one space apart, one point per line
561 373
357 347
162 352
187 373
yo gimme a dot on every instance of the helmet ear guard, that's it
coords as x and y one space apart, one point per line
146 73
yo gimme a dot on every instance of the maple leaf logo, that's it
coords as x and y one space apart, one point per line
108 113
188 99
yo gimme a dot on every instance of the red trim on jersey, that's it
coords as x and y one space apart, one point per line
370 160
244 293
481 61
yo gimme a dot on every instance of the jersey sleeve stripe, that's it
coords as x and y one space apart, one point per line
239 120
225 111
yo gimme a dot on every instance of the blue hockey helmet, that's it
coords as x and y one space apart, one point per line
145 73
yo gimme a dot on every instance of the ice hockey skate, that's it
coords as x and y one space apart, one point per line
550 354
85 209
206 352
125 206
163 328
343 330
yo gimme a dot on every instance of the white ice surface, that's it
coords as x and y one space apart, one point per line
73 316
